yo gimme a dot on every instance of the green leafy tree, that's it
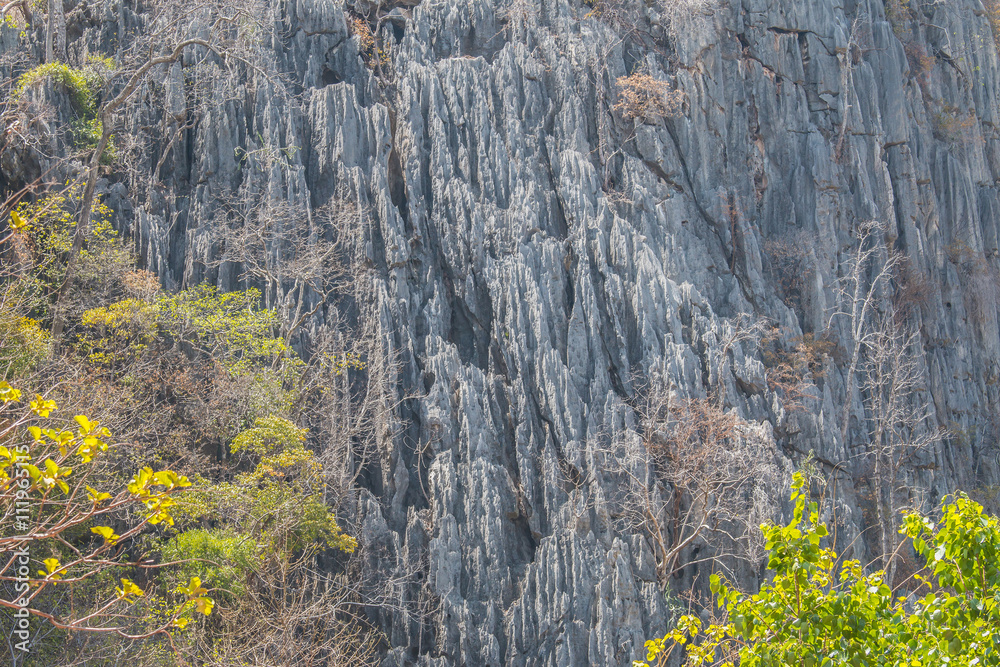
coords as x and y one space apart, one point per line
35 245
227 327
280 501
819 612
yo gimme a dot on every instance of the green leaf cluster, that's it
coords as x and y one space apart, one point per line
223 557
86 134
123 330
819 612
50 468
82 85
44 230
177 374
227 326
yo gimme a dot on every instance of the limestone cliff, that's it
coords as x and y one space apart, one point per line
538 253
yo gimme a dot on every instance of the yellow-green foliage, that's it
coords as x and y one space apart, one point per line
125 316
268 435
100 68
104 259
206 366
123 330
23 343
53 467
294 520
339 363
281 497
76 81
223 557
14 21
281 517
47 225
82 85
87 134
273 391
819 611
44 230
228 326
278 446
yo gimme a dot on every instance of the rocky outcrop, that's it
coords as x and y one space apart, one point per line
537 251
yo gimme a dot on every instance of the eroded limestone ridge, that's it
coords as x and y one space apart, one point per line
591 226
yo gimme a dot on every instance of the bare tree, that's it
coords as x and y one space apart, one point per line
311 266
863 290
297 254
897 421
697 475
885 352
848 57
679 15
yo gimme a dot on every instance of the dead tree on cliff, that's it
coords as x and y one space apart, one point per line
695 473
897 422
55 32
863 291
697 476
885 353
299 256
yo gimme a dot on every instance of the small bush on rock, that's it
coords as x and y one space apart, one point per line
642 96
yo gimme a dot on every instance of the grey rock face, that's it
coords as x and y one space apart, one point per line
536 252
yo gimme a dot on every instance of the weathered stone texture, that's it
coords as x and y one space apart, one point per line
536 252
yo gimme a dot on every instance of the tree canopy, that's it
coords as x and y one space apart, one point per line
820 611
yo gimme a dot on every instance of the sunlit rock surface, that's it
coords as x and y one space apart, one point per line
536 253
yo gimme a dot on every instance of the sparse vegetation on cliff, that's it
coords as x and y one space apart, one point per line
644 97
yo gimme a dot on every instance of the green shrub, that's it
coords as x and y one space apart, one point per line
82 85
281 498
224 558
76 82
819 611
86 134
